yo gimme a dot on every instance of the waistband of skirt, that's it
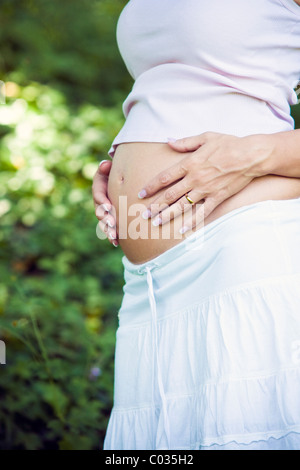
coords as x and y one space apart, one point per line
282 208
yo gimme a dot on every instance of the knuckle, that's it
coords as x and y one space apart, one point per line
184 142
164 178
193 163
100 209
209 134
170 194
184 167
97 200
182 205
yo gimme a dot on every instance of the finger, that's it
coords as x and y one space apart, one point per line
104 167
102 236
99 190
101 230
101 179
104 231
110 229
180 208
173 194
101 214
165 178
201 212
188 144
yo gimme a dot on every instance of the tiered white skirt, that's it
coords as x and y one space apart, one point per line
208 344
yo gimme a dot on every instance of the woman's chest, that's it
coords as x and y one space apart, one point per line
208 34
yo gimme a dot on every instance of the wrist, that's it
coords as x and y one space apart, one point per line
263 153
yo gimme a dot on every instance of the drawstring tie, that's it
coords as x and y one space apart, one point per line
166 423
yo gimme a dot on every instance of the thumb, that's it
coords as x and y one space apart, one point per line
187 144
105 167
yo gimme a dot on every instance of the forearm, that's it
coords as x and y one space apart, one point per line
282 153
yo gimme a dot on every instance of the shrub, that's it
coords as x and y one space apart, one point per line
60 286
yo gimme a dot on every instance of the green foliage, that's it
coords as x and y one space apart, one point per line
60 286
69 44
296 115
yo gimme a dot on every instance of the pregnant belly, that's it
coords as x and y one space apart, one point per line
135 164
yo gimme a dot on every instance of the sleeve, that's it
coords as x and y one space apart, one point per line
292 6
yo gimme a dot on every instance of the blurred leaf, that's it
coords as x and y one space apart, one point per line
60 286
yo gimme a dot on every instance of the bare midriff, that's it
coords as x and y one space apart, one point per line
135 164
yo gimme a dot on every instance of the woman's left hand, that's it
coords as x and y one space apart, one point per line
216 167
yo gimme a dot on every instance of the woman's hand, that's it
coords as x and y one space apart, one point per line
103 206
216 167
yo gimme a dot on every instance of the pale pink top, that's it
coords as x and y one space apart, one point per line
224 66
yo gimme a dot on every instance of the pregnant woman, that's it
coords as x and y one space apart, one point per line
203 197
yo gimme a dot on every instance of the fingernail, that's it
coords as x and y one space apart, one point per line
142 194
147 214
116 244
110 224
106 207
183 229
112 237
171 139
156 222
103 162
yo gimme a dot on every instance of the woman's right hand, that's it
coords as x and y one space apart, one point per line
103 206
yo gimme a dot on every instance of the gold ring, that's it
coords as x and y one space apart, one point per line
189 199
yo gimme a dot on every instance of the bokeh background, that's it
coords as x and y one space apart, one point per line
60 286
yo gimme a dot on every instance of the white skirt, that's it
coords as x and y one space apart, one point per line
208 343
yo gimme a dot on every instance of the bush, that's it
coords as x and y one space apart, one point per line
69 45
60 285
